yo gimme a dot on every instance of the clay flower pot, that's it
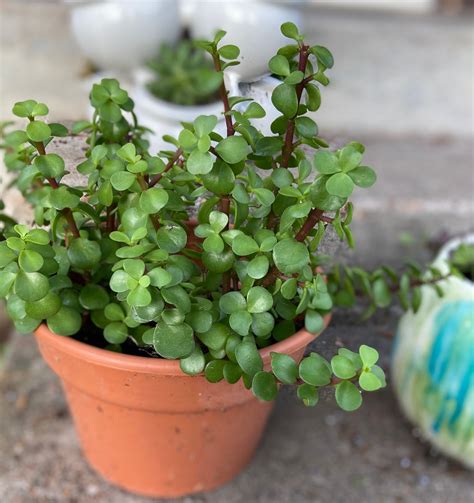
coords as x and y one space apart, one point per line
147 427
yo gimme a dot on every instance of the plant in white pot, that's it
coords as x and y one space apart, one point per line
177 86
433 361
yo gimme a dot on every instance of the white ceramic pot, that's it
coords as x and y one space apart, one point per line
165 118
121 34
433 364
252 25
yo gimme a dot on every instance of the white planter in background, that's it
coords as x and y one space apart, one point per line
433 364
165 118
252 25
121 34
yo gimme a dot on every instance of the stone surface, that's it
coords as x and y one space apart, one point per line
307 455
409 80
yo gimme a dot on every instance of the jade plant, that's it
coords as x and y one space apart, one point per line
184 75
205 252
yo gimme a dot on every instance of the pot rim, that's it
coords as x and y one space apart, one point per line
161 366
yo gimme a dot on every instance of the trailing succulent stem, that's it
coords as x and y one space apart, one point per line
122 255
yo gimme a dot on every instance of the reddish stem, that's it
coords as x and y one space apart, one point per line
224 97
170 164
54 184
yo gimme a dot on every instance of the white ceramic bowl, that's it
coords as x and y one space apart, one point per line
165 118
121 34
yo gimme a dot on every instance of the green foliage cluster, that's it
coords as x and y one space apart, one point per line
184 75
122 256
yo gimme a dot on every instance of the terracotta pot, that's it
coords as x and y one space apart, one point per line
150 429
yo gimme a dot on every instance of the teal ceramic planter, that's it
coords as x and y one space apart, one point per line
433 365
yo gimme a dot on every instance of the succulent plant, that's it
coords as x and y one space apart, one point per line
122 257
184 75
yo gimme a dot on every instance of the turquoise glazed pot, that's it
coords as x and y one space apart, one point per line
433 364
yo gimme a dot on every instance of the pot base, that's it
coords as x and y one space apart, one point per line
166 455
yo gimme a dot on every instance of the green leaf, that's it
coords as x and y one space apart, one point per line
244 245
221 179
218 220
200 321
127 152
205 124
153 200
368 355
313 321
288 288
62 198
258 267
232 372
30 261
216 337
314 370
262 324
348 397
363 176
66 321
218 262
114 312
38 131
6 255
159 277
116 333
343 367
340 185
93 297
173 341
279 65
214 371
294 78
37 236
248 358
122 180
290 256
194 363
306 127
255 111
187 140
290 30
326 162
259 300
50 165
369 381
264 386
24 108
232 302
171 238
110 112
313 97
282 177
44 308
285 100
240 322
323 55
199 163
84 254
229 51
232 149
31 286
308 394
264 196
7 279
381 293
284 368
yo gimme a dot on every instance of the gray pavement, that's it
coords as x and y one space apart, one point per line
410 101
